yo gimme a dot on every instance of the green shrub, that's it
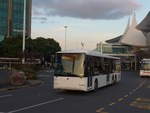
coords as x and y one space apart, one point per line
29 70
30 75
17 78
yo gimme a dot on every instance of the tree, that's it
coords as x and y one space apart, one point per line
45 47
37 48
10 47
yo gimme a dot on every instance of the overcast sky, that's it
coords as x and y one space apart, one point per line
88 21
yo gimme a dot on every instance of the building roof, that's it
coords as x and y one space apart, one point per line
145 24
133 36
117 39
114 40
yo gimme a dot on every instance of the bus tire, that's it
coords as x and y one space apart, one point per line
96 85
115 78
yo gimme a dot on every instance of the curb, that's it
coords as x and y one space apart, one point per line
38 82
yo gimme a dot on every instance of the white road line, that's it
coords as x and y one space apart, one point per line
36 105
4 96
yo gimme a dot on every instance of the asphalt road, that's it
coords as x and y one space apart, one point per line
131 95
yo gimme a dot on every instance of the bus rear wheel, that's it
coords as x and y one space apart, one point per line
96 85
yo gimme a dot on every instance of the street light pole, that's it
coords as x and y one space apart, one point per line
101 46
65 36
24 33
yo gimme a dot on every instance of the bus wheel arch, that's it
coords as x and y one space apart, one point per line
96 84
114 78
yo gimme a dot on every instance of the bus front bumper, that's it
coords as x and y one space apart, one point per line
70 83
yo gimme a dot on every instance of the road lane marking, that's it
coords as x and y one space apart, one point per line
36 105
4 96
113 103
100 110
121 99
126 96
143 99
141 103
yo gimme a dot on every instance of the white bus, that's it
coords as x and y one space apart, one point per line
85 70
145 67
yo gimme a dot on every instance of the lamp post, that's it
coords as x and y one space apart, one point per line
24 33
65 36
101 47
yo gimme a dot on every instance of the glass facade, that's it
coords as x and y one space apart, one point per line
3 18
11 18
17 17
125 52
116 49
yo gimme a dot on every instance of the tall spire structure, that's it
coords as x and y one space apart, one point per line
134 21
133 36
128 26
126 30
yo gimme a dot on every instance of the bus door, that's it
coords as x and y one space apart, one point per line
108 78
88 71
89 77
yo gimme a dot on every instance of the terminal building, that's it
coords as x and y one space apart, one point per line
129 45
144 26
12 17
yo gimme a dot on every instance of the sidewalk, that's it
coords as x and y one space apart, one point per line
29 83
5 86
44 76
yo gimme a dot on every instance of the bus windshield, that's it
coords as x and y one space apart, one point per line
145 66
70 65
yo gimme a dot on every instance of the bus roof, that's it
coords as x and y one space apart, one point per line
90 53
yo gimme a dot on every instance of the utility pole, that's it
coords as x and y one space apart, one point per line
24 32
65 36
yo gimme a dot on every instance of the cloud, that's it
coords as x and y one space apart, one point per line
42 20
39 18
85 9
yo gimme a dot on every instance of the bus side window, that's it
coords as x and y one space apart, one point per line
98 66
106 66
101 66
88 66
114 66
